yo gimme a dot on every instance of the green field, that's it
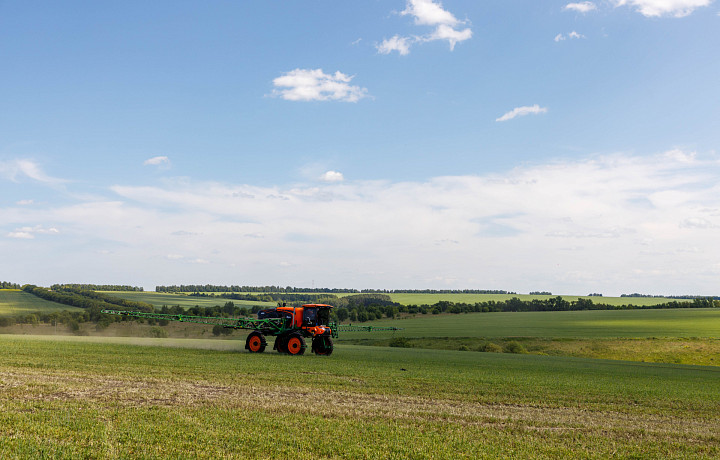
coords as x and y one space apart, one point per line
431 299
94 398
681 322
158 299
15 302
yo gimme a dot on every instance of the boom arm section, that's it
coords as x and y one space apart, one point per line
267 326
350 327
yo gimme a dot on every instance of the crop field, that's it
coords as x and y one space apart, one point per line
430 299
95 397
687 336
681 322
15 302
158 299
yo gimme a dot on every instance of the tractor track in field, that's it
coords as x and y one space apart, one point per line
20 386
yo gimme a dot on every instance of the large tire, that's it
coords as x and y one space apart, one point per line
255 342
322 346
281 343
295 344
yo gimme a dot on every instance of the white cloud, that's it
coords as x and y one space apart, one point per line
30 232
582 7
572 35
332 176
427 13
15 169
25 202
21 235
396 43
157 161
316 85
445 32
676 8
522 111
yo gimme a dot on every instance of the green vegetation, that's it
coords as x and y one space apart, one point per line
81 398
430 299
159 299
97 287
688 336
14 302
685 322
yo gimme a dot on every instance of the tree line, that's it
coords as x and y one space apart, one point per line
435 291
98 287
9 285
269 297
684 297
235 288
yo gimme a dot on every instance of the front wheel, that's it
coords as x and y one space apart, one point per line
255 342
322 346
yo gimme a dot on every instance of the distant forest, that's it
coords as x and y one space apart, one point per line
97 287
690 297
234 288
290 289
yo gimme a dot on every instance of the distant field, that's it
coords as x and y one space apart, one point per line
681 322
158 299
92 398
430 299
15 302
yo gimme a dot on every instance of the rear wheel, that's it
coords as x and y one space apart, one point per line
296 345
281 343
255 342
322 346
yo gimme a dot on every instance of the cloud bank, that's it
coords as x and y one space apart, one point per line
613 224
654 8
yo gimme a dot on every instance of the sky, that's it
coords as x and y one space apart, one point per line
570 147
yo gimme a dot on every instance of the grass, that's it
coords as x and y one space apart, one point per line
688 336
700 351
14 302
684 322
158 299
96 398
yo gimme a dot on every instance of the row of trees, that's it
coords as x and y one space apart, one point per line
435 291
291 289
269 297
9 285
235 288
690 297
98 287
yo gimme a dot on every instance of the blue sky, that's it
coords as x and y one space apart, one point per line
518 145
